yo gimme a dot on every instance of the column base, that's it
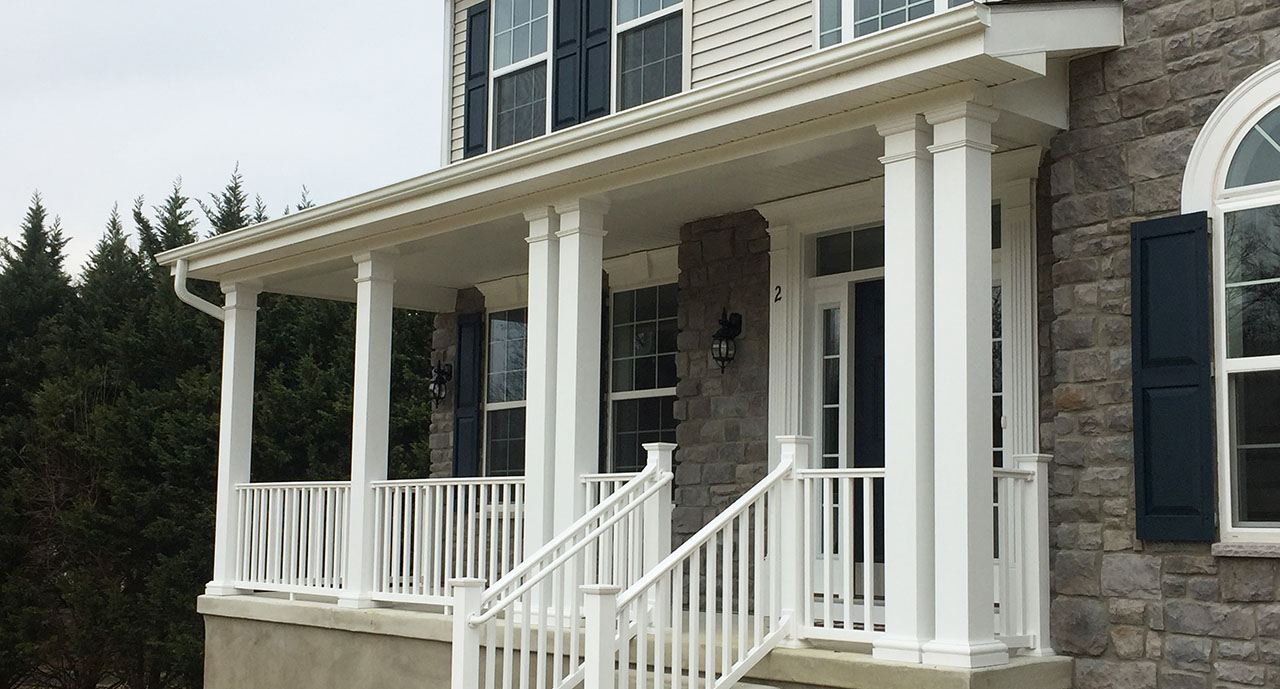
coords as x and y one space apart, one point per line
899 650
1038 652
358 602
217 588
969 655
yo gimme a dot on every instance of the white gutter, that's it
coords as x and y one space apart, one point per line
184 294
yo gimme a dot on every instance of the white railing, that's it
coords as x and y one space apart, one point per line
292 536
429 531
530 621
1022 554
597 487
843 558
708 612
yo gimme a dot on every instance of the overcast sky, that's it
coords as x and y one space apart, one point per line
101 101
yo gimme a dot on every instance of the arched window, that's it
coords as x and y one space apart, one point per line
1234 174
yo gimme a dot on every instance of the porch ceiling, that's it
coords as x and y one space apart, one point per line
791 129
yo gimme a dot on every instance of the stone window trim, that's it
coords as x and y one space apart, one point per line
1205 188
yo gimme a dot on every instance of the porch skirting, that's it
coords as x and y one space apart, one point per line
264 643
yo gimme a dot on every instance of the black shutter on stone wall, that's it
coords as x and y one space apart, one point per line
1173 421
468 382
580 61
475 136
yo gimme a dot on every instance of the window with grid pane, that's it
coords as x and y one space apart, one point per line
519 30
642 373
634 9
649 62
520 106
870 16
505 393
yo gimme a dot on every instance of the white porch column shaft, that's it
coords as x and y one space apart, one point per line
1019 321
577 420
540 387
908 405
785 326
235 428
370 412
964 632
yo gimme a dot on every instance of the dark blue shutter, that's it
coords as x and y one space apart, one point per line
1173 421
467 395
580 61
475 136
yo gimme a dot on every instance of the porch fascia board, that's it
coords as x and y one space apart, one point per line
814 95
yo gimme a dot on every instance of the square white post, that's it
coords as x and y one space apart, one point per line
789 546
235 429
600 607
370 416
577 419
540 388
908 404
657 509
964 630
465 670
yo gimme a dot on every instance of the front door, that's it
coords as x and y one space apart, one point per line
846 393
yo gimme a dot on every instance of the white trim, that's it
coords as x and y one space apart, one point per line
641 394
644 268
1203 189
664 257
505 294
645 18
514 67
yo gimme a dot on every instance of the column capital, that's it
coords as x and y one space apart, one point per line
900 125
544 223
962 109
240 296
245 287
593 205
539 213
375 265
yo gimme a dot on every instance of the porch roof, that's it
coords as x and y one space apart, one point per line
700 153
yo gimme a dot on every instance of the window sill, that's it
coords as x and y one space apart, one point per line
1246 549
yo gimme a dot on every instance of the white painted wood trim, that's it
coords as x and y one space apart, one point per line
644 268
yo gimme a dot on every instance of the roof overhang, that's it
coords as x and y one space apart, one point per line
957 54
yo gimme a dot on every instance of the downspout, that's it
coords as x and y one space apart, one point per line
180 288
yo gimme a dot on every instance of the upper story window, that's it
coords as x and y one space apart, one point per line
643 373
870 16
505 393
532 66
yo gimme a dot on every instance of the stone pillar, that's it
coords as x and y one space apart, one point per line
370 416
577 394
540 386
235 428
964 634
908 331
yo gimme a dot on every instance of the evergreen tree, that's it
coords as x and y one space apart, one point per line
230 209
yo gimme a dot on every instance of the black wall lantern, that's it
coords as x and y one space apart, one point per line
723 343
438 386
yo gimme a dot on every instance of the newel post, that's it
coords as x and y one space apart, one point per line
789 546
657 509
600 605
1035 548
465 673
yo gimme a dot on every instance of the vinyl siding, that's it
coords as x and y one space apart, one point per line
733 36
458 77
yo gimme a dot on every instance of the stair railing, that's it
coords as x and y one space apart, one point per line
529 624
716 606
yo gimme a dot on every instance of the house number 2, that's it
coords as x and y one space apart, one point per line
777 293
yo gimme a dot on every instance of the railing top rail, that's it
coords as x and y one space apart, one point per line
293 484
704 534
1024 474
626 475
471 480
660 484
874 472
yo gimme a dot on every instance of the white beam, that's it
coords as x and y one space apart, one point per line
964 633
908 404
370 415
235 428
577 419
540 386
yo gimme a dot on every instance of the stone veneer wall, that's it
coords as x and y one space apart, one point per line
444 349
723 417
1137 614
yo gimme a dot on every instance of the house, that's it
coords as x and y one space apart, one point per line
806 343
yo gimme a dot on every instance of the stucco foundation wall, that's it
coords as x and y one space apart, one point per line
723 417
1136 614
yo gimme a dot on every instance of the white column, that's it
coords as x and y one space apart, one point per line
235 428
540 387
1021 393
908 404
577 420
370 415
785 324
789 545
964 633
